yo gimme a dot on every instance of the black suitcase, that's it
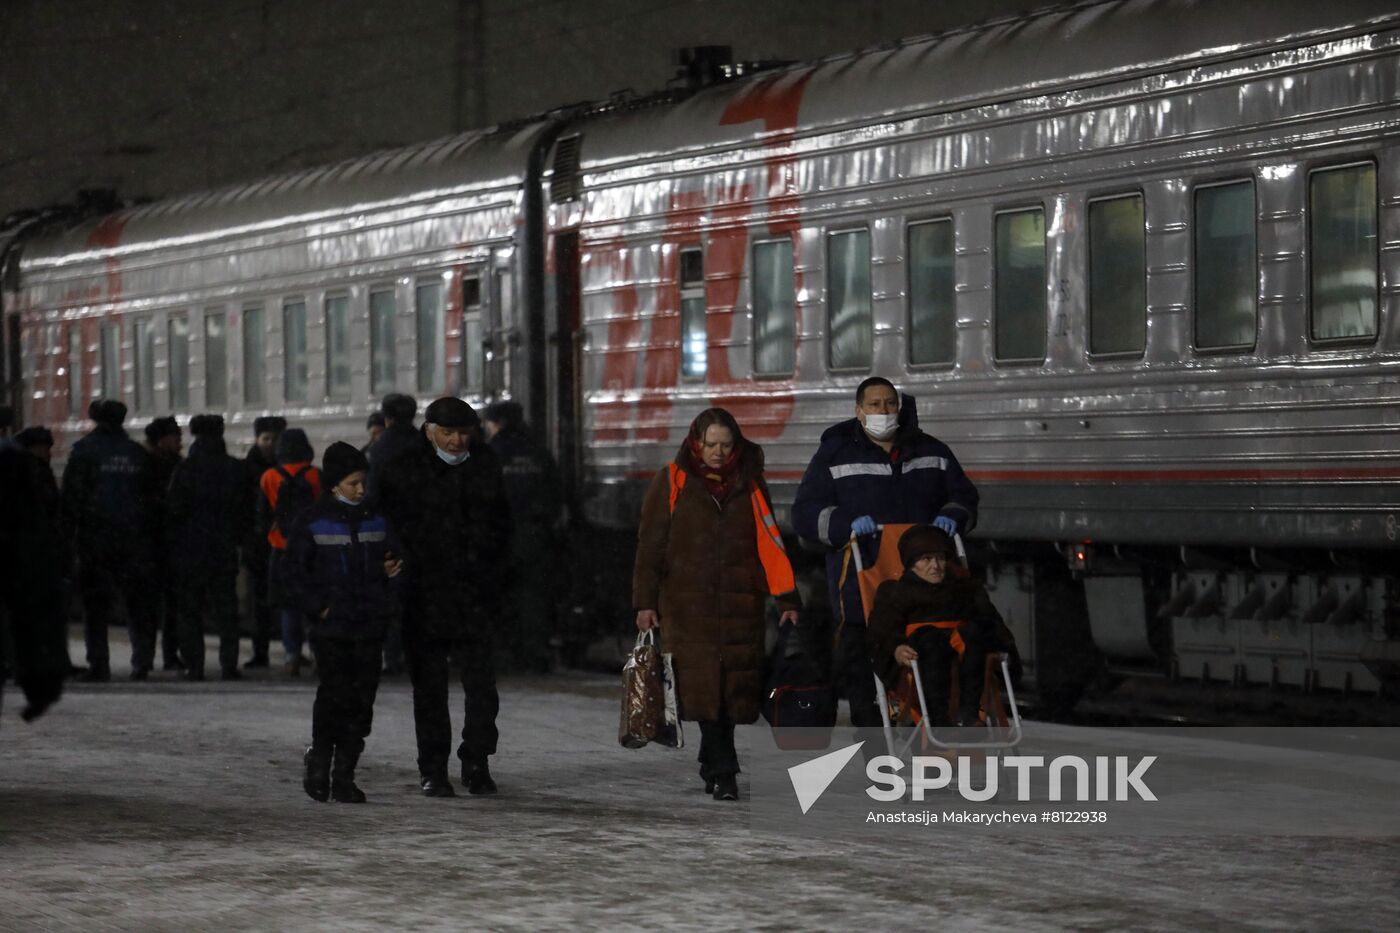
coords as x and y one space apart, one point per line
799 701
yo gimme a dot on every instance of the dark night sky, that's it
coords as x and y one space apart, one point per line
160 97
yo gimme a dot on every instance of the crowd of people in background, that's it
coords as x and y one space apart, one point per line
157 534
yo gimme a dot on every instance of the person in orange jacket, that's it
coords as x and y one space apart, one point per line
288 489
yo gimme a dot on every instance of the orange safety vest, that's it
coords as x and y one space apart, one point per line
955 639
771 550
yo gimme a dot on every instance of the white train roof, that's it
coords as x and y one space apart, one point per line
1060 48
479 162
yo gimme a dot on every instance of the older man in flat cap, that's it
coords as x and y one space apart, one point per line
445 497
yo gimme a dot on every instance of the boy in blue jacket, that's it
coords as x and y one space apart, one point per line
341 557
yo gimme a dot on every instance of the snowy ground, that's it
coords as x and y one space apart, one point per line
172 806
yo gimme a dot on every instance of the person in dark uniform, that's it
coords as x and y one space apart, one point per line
163 442
374 429
108 496
30 587
447 501
874 469
536 499
341 559
399 435
38 441
397 411
257 552
208 510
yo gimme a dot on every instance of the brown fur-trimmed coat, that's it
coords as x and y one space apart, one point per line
699 569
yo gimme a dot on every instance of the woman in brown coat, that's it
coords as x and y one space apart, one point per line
708 555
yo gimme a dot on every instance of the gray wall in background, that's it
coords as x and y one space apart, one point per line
159 97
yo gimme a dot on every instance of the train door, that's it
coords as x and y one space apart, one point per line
472 381
568 400
13 362
502 336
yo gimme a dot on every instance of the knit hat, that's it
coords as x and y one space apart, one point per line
269 424
162 427
921 541
340 461
293 447
451 412
108 412
207 425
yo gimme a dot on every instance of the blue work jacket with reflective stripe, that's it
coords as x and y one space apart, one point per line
851 476
335 561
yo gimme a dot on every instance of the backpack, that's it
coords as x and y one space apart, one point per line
293 497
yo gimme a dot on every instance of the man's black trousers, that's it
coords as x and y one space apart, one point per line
213 593
428 668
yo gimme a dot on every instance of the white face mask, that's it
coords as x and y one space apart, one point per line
344 501
452 459
881 427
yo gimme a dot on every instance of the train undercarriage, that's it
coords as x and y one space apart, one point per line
1212 636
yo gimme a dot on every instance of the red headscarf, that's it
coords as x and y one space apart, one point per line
718 481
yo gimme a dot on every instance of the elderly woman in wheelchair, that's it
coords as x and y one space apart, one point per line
937 615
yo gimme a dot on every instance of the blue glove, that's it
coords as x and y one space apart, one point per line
865 525
946 525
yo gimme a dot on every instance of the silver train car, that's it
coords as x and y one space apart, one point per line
1136 259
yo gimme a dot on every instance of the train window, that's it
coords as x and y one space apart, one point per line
178 340
1020 286
471 292
295 379
254 356
337 325
111 360
694 338
1342 239
1117 275
1225 267
850 326
75 370
431 334
215 359
933 316
774 309
381 341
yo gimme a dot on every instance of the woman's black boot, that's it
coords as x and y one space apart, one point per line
726 787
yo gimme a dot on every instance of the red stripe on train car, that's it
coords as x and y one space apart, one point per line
1244 474
1136 476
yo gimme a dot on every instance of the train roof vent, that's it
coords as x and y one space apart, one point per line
564 181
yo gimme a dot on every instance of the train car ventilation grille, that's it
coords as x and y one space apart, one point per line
564 181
